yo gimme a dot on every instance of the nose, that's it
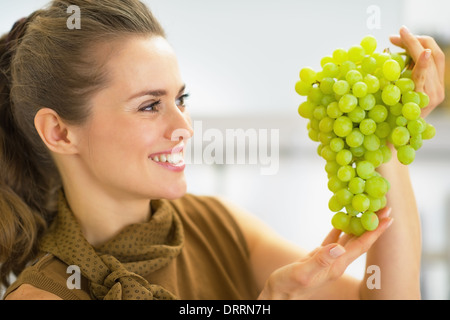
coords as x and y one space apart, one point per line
179 125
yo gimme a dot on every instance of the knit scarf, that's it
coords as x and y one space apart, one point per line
117 268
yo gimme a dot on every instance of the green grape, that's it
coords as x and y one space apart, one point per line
344 157
353 76
351 211
337 144
375 156
411 96
391 94
335 184
387 154
333 110
391 70
375 204
356 185
315 95
344 196
367 126
306 109
359 89
326 124
416 142
367 102
334 205
326 85
340 55
396 109
415 127
401 121
357 115
360 202
307 75
347 102
341 87
368 64
400 136
371 142
330 70
369 44
346 173
327 153
369 220
302 88
326 60
381 58
320 112
376 187
326 137
346 66
411 111
406 154
358 151
354 138
313 135
340 220
399 58
429 132
405 85
424 100
327 99
342 126
356 227
372 82
383 130
378 113
356 53
331 167
365 169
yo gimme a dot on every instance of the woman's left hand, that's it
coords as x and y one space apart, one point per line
429 68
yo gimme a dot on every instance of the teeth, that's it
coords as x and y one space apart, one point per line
172 158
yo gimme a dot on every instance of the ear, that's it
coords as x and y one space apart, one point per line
54 132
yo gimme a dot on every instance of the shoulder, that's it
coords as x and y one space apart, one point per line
29 292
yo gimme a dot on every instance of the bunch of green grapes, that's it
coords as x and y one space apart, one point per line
358 102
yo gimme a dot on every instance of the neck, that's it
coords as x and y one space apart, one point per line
102 213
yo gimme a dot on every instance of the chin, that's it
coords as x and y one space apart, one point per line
171 192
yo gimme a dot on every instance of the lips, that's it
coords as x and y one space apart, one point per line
172 159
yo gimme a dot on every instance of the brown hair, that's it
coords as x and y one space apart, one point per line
44 63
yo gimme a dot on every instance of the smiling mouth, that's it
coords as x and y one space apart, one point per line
171 159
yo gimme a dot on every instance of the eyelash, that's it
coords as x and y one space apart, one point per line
155 104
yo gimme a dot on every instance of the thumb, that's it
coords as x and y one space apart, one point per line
315 270
419 73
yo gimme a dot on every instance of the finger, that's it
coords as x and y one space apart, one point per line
397 41
420 71
332 237
315 270
384 213
438 55
362 244
411 43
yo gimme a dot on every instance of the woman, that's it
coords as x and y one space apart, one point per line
93 125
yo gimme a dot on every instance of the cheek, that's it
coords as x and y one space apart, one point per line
117 141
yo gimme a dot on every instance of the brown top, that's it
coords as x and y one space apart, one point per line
212 264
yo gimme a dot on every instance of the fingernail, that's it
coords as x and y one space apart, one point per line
390 222
388 213
427 54
405 28
337 251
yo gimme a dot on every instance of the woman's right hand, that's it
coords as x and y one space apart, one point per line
301 279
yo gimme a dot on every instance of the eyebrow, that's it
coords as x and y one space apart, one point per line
154 93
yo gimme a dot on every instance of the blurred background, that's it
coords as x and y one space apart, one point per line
240 61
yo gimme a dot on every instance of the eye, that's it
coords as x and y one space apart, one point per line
181 101
151 107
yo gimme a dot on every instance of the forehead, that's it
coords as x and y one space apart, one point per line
139 61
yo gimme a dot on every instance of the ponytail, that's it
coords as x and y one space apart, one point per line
24 212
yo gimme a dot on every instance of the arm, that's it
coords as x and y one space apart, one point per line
398 251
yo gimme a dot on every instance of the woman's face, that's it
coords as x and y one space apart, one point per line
132 144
